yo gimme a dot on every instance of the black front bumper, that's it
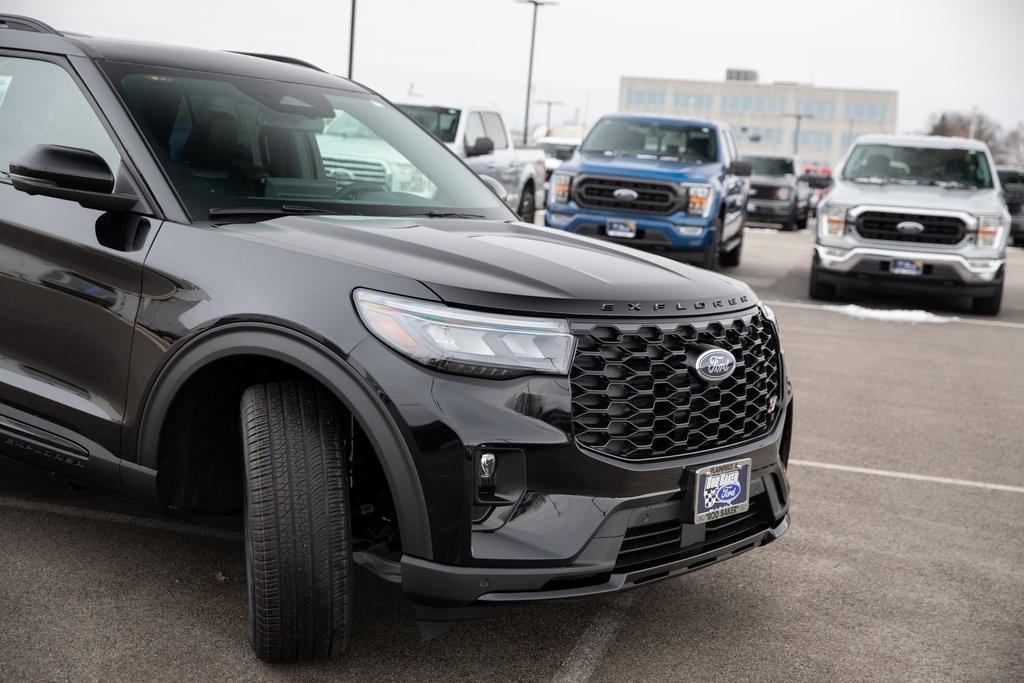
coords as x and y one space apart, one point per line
570 528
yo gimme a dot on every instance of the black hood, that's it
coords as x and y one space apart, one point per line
511 266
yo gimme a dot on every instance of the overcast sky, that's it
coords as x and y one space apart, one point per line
939 54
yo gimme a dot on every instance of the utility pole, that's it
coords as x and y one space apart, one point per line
549 104
351 39
529 73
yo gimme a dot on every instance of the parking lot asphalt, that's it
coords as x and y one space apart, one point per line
906 562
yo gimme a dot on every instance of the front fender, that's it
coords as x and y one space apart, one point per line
321 363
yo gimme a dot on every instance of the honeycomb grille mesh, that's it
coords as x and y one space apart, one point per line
634 396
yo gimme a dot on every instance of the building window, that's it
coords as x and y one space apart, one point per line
645 98
814 138
866 111
746 104
682 100
819 109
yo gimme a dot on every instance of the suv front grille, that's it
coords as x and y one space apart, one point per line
763 191
652 197
881 225
634 395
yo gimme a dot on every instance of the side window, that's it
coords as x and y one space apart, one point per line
475 129
40 104
495 130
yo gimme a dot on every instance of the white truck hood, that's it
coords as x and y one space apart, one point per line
917 197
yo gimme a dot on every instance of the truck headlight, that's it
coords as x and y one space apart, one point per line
408 178
467 342
990 232
561 183
832 220
699 200
783 193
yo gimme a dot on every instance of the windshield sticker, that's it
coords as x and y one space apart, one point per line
5 82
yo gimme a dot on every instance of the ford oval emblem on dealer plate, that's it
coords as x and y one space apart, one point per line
714 365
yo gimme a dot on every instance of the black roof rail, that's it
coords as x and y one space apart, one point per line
17 23
282 59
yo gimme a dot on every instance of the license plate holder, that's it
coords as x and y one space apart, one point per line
623 229
720 490
905 267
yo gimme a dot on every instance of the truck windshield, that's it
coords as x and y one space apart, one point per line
682 142
441 121
233 145
951 168
771 166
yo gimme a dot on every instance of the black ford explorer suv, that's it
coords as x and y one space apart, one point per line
391 372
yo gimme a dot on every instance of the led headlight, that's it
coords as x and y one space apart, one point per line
467 342
699 200
832 220
782 193
560 185
990 232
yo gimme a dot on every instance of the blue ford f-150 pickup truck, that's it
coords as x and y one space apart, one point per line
657 182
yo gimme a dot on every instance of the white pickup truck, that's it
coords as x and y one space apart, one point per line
482 139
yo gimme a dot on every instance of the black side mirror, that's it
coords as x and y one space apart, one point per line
741 168
496 187
481 147
77 175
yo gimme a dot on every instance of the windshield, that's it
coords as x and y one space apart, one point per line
231 142
954 168
679 142
556 150
770 166
441 121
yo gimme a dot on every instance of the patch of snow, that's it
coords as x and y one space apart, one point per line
913 317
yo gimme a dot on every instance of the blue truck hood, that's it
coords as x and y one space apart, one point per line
651 169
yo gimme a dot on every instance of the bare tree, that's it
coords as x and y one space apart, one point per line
1007 148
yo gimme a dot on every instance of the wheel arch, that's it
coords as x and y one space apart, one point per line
313 358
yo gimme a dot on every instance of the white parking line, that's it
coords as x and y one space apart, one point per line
909 475
589 650
118 518
843 310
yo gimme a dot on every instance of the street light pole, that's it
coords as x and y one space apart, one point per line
351 39
796 134
529 73
549 104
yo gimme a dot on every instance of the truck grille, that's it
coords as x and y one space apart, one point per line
599 193
881 225
763 191
634 395
347 171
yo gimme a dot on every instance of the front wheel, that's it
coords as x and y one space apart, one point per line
298 550
732 257
821 291
711 258
988 305
528 205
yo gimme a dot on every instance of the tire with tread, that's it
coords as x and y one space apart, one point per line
988 305
732 257
528 204
297 534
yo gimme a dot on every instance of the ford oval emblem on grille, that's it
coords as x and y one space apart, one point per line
910 228
714 365
625 194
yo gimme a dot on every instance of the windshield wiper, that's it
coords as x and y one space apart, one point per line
441 214
282 210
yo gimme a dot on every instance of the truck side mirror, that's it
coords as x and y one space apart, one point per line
77 175
481 147
741 168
